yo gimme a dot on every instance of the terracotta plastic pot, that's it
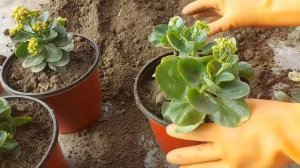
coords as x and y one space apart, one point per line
158 126
53 158
77 105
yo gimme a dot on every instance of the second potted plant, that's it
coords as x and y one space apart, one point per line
52 65
198 83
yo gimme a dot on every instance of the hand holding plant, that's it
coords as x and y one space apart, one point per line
202 81
9 147
41 40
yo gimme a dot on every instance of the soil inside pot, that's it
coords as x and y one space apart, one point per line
35 137
81 60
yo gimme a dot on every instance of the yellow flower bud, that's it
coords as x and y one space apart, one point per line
20 13
16 29
39 26
61 21
33 46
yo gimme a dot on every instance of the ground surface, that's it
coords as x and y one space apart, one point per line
122 138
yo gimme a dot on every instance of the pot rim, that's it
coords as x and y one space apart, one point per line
137 83
54 139
6 65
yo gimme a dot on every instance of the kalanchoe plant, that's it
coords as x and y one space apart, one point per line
40 40
9 147
201 81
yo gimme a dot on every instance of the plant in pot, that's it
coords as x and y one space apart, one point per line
28 141
200 82
52 65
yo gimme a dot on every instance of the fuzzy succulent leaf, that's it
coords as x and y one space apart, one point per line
6 127
281 96
64 40
20 121
50 36
60 69
182 113
186 129
246 70
175 41
65 59
202 102
295 93
233 90
232 112
68 48
170 80
33 61
225 77
38 68
3 136
191 71
44 17
21 51
54 53
22 36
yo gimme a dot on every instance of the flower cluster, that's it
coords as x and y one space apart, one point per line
39 26
224 47
33 46
16 29
61 21
20 13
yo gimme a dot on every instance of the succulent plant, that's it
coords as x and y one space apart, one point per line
40 40
201 80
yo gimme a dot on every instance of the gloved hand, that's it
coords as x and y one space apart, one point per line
244 13
269 139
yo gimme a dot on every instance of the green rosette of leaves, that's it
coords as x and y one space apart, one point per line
9 147
40 40
201 80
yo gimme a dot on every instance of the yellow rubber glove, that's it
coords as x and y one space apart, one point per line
269 139
245 13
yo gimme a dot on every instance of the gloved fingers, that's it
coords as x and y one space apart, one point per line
219 25
212 19
206 15
194 154
217 164
205 133
199 6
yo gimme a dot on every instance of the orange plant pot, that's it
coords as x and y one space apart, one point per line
77 105
54 157
158 126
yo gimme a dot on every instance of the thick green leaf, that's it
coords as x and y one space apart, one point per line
65 59
6 127
21 51
187 129
191 70
212 86
166 112
207 49
68 48
12 150
161 29
169 58
39 67
169 79
176 23
22 36
182 113
175 41
205 59
294 76
202 102
295 93
54 54
232 112
156 39
3 136
50 36
281 96
63 40
20 121
62 69
33 61
5 109
232 59
60 30
210 70
233 90
245 70
225 77
44 17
